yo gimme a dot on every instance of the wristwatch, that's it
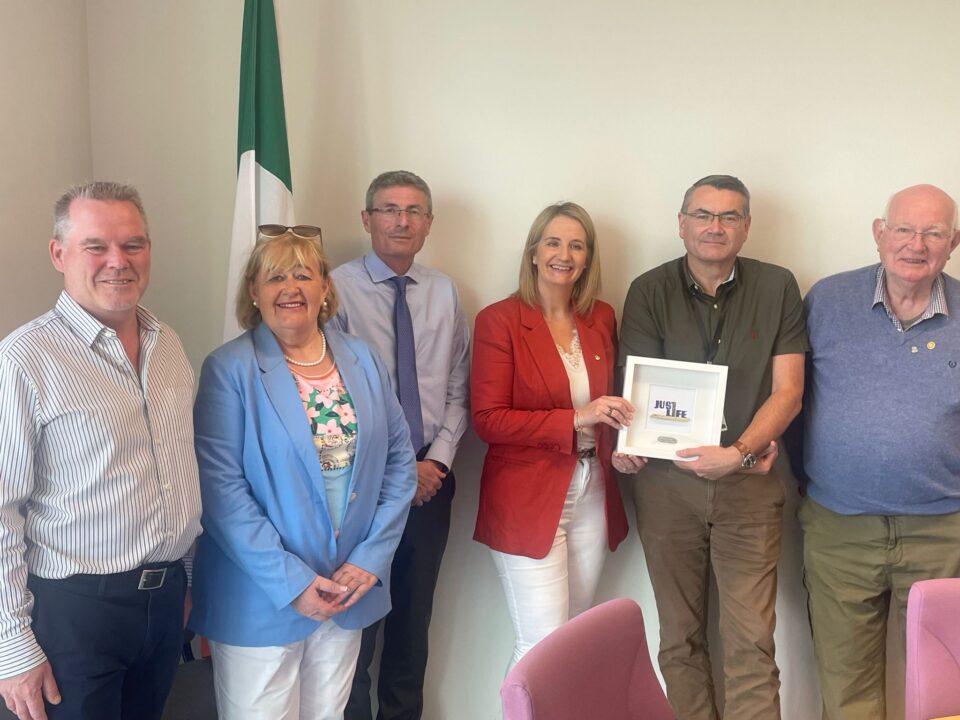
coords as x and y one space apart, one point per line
748 459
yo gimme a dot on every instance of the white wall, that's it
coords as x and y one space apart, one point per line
822 108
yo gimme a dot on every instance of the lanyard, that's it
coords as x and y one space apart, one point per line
711 346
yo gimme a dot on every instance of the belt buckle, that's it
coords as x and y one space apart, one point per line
152 579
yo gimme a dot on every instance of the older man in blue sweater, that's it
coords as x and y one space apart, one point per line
881 444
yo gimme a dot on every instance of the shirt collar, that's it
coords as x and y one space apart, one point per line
88 328
693 285
936 306
379 272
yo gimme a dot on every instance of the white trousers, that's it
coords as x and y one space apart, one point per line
542 594
306 680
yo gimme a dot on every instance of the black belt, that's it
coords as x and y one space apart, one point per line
151 576
588 453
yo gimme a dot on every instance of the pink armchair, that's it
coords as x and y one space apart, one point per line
933 649
594 666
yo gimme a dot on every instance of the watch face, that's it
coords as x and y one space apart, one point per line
749 460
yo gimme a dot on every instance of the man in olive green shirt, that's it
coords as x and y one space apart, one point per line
722 508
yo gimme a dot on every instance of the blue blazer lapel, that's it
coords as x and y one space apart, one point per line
282 393
543 352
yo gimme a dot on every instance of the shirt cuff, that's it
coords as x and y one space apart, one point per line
442 452
19 654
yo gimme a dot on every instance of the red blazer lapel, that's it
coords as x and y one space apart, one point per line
595 355
544 356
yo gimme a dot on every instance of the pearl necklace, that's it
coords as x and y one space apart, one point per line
314 363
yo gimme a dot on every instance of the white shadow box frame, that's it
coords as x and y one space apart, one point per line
678 405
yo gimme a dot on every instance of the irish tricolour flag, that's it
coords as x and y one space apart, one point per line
264 190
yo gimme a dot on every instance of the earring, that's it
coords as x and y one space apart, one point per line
325 305
255 304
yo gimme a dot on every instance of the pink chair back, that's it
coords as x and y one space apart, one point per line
595 666
933 649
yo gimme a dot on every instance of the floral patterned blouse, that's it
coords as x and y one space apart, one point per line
333 422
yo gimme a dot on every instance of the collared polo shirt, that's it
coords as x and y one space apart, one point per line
758 310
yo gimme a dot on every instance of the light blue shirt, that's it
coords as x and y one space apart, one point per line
441 337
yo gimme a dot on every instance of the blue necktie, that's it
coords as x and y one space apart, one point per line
407 388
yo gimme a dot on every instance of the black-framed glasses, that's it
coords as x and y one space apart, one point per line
393 212
905 233
727 219
305 232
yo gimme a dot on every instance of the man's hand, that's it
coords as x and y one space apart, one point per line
429 479
765 460
357 580
24 693
712 461
315 602
628 464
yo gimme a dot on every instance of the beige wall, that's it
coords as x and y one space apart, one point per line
822 108
44 142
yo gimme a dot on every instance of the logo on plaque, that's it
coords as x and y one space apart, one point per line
671 408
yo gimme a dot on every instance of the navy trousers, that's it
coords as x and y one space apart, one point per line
413 578
114 649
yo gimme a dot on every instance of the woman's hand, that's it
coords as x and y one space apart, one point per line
608 409
318 601
357 581
627 464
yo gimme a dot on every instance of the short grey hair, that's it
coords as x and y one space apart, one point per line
95 190
719 182
398 178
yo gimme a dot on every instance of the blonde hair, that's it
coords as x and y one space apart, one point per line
281 254
587 287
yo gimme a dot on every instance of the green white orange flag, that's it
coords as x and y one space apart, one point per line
264 189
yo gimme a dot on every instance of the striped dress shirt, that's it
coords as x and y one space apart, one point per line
97 468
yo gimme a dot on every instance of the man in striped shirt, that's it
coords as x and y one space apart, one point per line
99 499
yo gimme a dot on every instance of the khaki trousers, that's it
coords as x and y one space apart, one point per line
688 526
854 567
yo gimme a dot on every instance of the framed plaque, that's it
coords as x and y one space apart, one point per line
677 405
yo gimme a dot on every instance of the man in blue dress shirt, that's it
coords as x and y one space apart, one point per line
385 297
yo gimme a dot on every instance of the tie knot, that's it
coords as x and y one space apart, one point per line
400 283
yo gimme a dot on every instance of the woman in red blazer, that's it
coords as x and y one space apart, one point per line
540 391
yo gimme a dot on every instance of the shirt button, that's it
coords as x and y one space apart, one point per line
353 496
165 488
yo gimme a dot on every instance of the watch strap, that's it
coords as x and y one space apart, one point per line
743 449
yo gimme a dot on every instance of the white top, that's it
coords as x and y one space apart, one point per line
579 387
97 469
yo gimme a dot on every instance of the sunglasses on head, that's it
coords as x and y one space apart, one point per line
307 232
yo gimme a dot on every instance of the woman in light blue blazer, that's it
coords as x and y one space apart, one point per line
306 474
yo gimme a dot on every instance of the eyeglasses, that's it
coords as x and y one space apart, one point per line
905 233
392 212
305 232
727 219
